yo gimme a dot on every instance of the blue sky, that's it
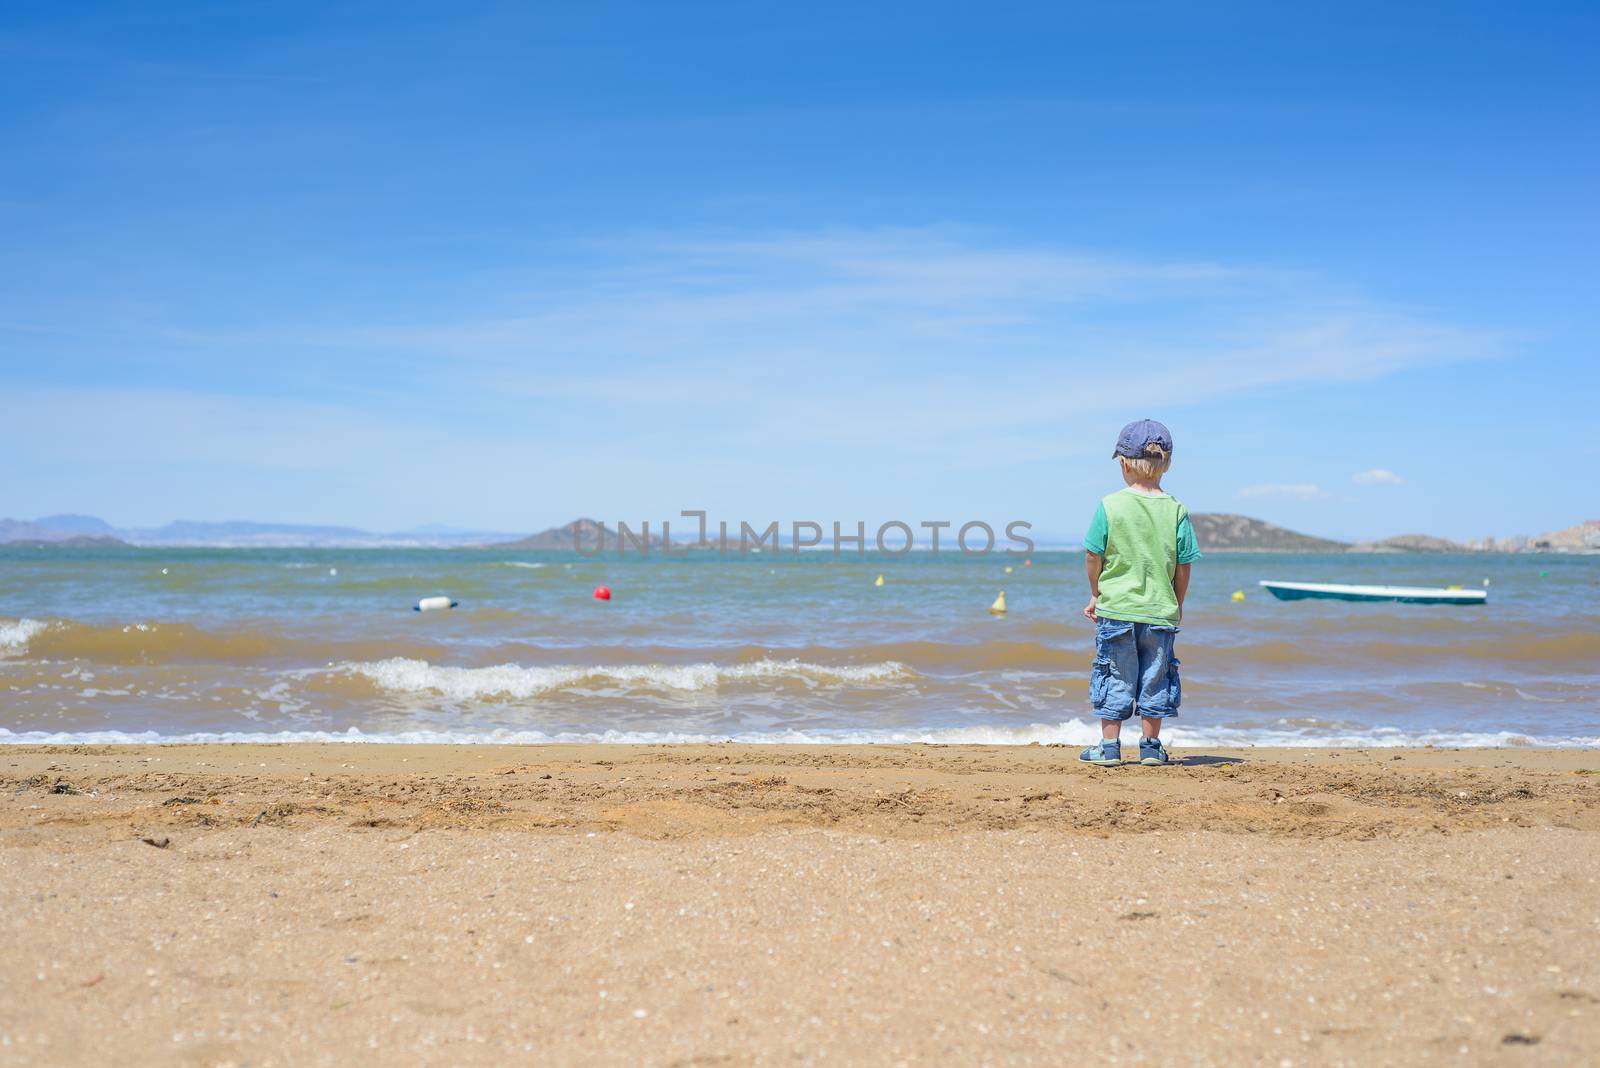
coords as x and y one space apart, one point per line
501 265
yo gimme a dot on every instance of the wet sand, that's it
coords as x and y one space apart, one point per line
288 905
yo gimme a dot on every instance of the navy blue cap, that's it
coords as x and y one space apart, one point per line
1139 433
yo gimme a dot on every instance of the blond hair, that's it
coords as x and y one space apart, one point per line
1153 464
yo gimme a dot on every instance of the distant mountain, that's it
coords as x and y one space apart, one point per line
77 524
1220 532
588 535
71 541
583 534
25 533
1227 533
1409 543
22 530
1216 531
1581 536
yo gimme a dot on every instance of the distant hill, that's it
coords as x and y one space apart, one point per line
583 534
1227 533
71 541
1580 536
587 535
77 524
1219 532
1216 532
54 530
22 530
1409 543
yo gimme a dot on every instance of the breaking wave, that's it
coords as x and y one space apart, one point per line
14 635
402 675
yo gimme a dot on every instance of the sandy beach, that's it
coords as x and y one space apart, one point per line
729 904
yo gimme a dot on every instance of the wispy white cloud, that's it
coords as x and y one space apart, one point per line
856 336
739 362
925 298
1300 490
1378 476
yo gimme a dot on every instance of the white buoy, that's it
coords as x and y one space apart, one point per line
428 604
333 571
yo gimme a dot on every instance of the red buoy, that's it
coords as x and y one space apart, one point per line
602 593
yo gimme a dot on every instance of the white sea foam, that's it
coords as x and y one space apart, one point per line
1070 733
522 563
14 635
401 675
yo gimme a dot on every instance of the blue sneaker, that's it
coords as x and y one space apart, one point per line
1152 753
1105 755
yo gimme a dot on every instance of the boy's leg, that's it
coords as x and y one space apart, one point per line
1114 679
1159 689
1113 683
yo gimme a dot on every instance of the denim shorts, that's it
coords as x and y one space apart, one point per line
1134 668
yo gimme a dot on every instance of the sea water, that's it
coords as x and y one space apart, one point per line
107 645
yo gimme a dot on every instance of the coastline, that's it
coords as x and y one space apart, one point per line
290 904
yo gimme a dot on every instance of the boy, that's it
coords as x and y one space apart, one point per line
1138 551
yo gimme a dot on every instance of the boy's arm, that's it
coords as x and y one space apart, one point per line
1093 562
1094 556
1188 553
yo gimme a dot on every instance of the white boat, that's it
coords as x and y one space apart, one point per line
1331 591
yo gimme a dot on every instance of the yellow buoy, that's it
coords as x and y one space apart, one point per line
1008 571
1238 595
878 581
999 606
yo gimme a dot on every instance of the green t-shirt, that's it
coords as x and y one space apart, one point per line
1143 539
